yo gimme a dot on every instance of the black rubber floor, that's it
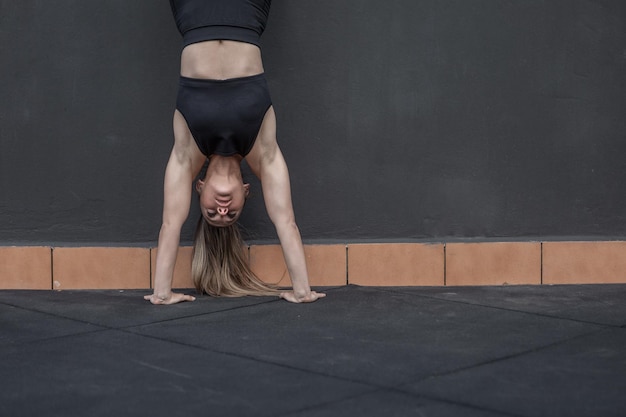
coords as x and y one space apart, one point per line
361 351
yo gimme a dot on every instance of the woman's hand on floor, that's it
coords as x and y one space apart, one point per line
173 298
309 298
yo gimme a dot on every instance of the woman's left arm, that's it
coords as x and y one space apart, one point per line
274 177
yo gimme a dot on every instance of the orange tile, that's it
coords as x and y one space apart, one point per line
584 262
101 268
326 264
25 268
395 264
182 269
493 263
268 263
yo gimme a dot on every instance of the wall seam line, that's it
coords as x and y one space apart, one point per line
347 269
51 268
541 265
445 264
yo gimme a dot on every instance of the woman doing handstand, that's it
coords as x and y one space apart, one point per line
224 114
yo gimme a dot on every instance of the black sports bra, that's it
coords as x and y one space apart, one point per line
237 20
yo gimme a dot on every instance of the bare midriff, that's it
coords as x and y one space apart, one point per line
220 60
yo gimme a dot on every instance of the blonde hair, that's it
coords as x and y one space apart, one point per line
220 267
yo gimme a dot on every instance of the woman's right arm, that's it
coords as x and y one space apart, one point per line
181 168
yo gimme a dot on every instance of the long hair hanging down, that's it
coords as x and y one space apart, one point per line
219 266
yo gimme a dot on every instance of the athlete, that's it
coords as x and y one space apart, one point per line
224 114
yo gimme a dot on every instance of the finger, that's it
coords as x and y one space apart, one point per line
180 298
147 297
314 297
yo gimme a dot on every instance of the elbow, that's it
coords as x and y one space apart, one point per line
168 227
286 224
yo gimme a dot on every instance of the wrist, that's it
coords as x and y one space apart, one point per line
163 295
301 293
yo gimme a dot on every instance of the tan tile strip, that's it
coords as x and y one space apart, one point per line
326 264
25 268
100 268
584 262
375 264
396 264
493 263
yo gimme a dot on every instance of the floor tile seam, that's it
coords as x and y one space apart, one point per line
59 337
551 316
459 403
191 316
327 403
59 316
505 357
402 392
106 326
259 360
109 327
6 304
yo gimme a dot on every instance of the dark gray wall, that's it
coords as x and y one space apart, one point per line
403 119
